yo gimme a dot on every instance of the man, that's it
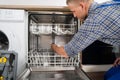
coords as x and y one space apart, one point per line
101 22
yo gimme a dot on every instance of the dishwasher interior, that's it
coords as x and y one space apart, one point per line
44 29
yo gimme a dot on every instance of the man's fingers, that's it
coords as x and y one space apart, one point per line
53 46
117 62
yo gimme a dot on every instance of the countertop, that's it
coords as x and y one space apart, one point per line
35 7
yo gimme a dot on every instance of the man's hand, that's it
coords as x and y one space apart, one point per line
59 50
117 62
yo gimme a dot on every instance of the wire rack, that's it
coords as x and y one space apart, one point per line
59 29
46 58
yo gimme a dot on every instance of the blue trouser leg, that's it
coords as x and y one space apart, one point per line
115 77
113 73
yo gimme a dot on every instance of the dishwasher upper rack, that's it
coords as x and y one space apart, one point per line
46 58
47 28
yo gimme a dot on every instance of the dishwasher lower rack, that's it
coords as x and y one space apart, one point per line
76 74
46 59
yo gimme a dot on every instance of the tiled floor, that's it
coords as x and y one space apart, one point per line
96 75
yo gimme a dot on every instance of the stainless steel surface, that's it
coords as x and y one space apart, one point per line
76 74
24 75
64 75
51 68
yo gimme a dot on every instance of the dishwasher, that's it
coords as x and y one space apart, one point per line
45 28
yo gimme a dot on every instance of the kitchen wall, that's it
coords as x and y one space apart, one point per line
34 2
100 1
39 2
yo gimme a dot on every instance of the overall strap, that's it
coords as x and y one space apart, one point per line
117 2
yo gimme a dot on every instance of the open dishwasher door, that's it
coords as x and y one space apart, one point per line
77 74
